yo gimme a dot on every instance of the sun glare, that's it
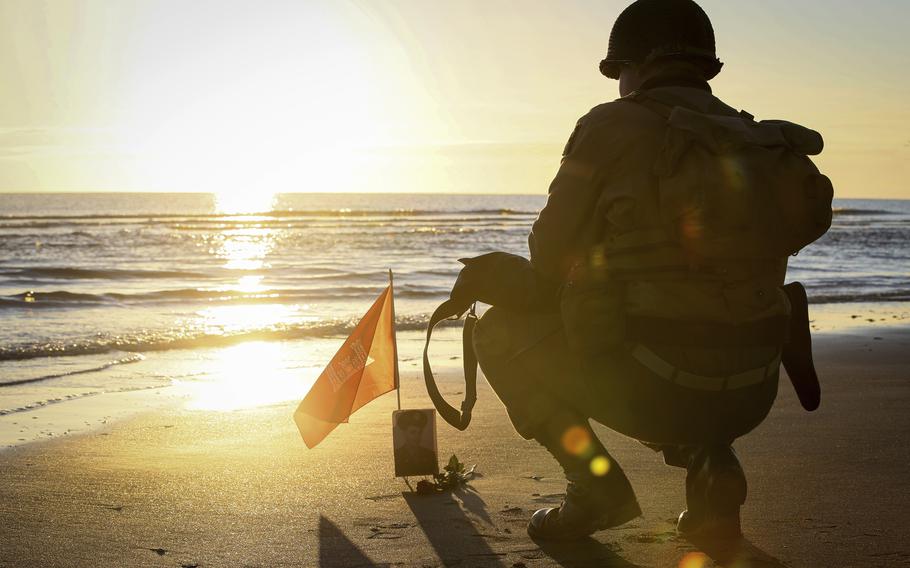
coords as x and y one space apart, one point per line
249 375
221 320
284 110
238 202
246 249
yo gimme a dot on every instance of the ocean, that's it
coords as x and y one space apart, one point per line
91 285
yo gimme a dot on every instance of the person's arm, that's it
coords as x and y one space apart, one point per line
557 239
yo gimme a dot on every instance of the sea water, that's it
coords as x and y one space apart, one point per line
93 284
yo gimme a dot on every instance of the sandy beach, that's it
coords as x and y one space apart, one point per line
172 487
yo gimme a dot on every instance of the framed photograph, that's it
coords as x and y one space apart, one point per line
414 442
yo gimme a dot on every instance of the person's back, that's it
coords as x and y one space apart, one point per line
672 313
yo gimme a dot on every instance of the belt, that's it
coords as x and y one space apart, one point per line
772 331
677 376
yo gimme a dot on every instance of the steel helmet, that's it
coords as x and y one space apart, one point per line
653 29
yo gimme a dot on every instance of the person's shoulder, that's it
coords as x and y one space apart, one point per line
623 109
610 121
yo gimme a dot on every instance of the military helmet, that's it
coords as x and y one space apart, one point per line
653 29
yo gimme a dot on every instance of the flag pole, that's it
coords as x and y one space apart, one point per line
395 341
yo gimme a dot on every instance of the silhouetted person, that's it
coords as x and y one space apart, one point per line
672 315
411 458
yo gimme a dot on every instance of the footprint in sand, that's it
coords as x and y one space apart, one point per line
388 497
387 531
549 498
652 538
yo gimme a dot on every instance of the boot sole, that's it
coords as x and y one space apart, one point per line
725 527
609 520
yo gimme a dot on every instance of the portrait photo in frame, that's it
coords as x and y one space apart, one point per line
414 442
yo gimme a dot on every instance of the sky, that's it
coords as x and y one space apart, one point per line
405 95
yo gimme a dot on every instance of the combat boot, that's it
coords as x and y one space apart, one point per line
589 506
598 494
715 491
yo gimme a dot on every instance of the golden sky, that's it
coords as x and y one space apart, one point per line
404 95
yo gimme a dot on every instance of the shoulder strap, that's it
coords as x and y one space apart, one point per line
452 309
650 103
663 109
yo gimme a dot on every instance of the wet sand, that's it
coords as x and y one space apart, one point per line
173 487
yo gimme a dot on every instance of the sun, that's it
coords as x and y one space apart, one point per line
281 108
237 202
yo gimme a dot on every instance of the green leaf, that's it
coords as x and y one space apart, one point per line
453 464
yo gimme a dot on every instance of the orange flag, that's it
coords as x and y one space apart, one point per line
364 368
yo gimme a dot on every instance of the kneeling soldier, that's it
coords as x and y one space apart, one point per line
667 230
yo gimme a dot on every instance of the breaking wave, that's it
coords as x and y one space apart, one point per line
64 299
130 358
169 340
61 273
279 214
846 211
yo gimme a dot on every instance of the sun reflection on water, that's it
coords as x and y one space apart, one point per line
253 373
246 249
248 375
219 320
238 202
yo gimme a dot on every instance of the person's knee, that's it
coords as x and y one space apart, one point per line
493 345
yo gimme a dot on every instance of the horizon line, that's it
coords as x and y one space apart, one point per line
468 193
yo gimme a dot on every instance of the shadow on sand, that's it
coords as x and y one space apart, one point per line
586 552
336 550
451 534
473 502
458 541
736 553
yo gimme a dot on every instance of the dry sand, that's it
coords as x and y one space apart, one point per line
179 488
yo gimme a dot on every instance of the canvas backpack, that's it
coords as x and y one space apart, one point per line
731 188
732 199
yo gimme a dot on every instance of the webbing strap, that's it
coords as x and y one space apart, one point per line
642 98
447 310
657 365
772 331
663 109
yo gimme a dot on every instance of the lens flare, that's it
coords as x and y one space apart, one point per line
600 466
691 226
734 174
694 560
576 441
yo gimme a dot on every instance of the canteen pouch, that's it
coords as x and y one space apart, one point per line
499 279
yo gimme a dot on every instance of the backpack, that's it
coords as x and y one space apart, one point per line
731 188
732 199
